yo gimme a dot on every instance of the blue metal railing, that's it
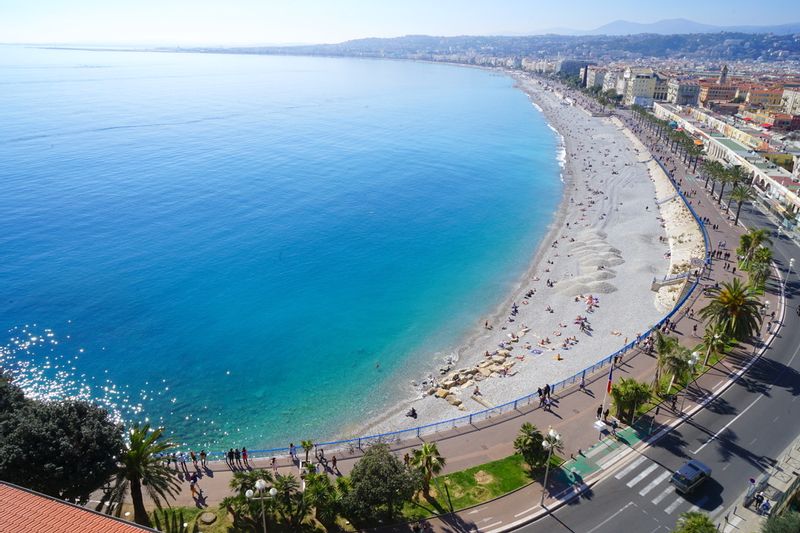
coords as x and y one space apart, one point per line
396 437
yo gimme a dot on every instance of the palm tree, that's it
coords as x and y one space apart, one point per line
724 178
740 194
695 522
750 242
243 480
734 309
292 507
529 445
307 446
736 176
712 170
429 462
714 342
141 464
627 395
664 345
760 266
676 363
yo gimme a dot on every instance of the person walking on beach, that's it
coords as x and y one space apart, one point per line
203 458
193 457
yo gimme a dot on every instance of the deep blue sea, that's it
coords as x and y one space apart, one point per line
251 249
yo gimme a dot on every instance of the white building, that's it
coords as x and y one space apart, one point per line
640 86
791 101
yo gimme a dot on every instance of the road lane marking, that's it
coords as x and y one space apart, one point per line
696 507
674 505
628 469
612 458
610 518
526 511
643 474
495 524
475 511
661 477
715 435
657 499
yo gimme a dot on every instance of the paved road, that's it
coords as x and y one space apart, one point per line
739 435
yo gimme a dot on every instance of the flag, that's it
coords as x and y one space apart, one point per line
610 377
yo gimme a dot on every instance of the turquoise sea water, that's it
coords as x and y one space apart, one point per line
252 249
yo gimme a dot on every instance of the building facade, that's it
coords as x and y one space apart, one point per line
683 92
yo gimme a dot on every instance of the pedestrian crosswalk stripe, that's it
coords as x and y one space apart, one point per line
643 474
674 505
657 499
699 504
650 486
628 469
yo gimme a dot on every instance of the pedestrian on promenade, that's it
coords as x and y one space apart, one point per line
599 412
274 464
605 414
582 385
547 390
694 330
203 458
230 459
333 464
406 459
292 452
237 455
183 463
193 457
244 456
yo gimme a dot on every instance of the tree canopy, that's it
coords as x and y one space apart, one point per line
379 485
66 449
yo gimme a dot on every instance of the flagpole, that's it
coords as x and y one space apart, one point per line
608 385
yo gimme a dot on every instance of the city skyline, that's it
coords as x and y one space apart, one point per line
182 22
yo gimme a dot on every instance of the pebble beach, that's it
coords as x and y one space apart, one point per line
588 291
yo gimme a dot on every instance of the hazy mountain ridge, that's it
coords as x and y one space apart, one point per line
713 46
684 26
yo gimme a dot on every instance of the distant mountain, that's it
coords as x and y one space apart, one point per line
678 27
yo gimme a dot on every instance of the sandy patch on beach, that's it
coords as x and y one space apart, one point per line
588 290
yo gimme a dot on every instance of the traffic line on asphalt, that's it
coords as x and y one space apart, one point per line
674 505
643 474
612 458
628 469
661 477
526 511
657 499
715 435
494 524
610 518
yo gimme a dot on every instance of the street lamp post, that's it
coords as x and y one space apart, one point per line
789 273
692 362
708 349
551 440
261 485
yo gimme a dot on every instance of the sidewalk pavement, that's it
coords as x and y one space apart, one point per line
573 413
779 483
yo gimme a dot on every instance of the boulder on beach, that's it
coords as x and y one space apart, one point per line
453 400
441 393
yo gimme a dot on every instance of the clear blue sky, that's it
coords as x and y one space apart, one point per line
183 22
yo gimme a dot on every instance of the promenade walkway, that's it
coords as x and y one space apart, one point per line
573 413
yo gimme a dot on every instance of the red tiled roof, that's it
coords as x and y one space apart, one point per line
25 511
